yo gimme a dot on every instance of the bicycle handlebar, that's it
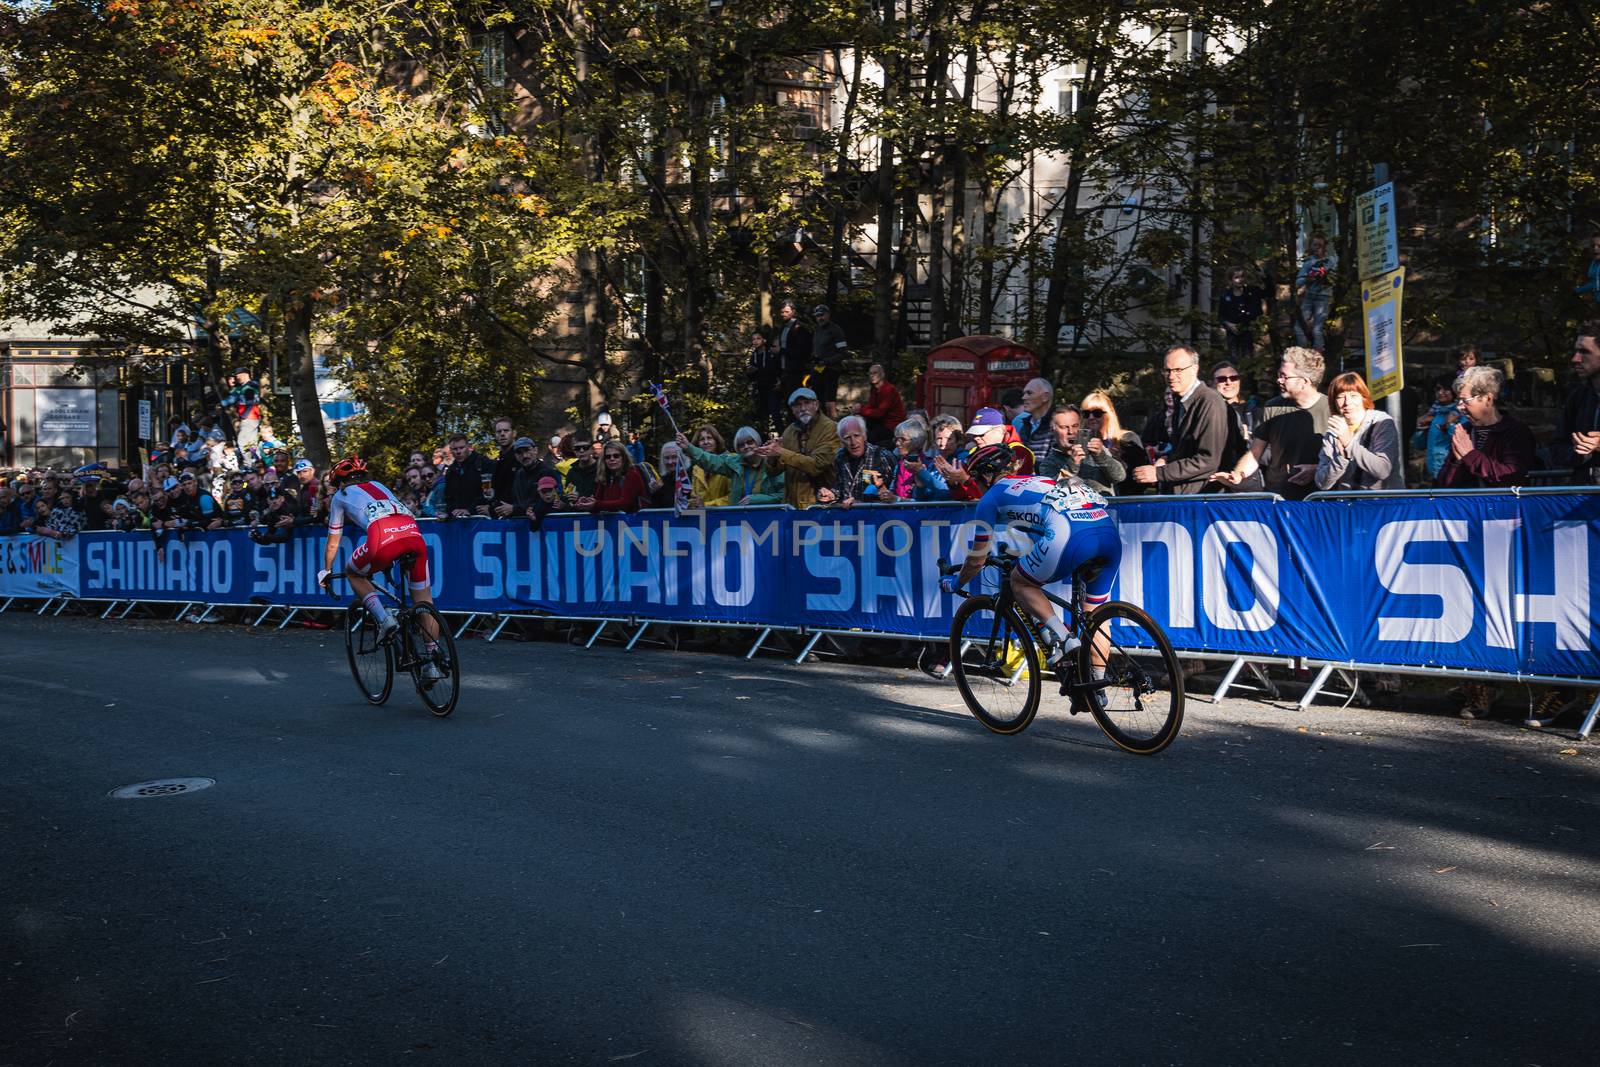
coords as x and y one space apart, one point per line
1000 559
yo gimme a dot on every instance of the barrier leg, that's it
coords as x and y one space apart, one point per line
60 607
504 622
804 652
1588 722
596 635
263 616
206 614
6 606
1227 680
187 604
110 608
759 642
125 611
1316 686
471 618
45 606
292 613
634 640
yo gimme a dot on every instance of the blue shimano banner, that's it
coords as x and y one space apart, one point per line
722 565
1495 582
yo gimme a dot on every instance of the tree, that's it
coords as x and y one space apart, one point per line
317 165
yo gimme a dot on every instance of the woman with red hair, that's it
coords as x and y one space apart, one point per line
1361 447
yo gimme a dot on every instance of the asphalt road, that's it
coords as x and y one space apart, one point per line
658 857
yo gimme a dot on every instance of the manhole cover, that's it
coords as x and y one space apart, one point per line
164 787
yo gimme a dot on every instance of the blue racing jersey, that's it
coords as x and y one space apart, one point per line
1032 506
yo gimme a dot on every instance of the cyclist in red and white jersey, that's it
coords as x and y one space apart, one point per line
391 532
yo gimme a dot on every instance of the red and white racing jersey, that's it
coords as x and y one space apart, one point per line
362 504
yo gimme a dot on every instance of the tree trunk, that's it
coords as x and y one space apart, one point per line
958 206
303 380
838 268
1066 287
883 332
939 163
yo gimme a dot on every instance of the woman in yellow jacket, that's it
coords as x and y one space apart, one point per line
710 488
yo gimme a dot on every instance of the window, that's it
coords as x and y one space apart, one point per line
491 48
488 94
1069 97
718 120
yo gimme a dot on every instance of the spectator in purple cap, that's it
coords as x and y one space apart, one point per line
990 427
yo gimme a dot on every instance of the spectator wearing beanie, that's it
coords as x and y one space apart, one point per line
751 481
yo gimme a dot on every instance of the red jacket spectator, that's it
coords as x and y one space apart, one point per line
628 494
884 409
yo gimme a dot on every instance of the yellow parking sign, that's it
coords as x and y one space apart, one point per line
1380 315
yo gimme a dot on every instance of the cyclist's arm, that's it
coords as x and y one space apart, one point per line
973 563
335 535
978 551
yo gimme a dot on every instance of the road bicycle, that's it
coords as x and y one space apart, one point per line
994 654
374 658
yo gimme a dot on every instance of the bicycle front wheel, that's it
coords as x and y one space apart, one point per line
440 694
1139 703
371 662
996 664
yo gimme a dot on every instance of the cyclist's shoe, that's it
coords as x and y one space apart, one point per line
432 673
1057 654
387 626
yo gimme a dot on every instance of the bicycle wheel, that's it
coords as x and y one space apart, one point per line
439 696
996 664
1141 706
371 663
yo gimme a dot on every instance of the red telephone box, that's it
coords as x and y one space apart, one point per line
969 373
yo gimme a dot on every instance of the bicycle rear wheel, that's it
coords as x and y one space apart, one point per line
1141 705
440 696
996 664
371 663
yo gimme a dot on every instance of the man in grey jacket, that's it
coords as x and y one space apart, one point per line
1190 436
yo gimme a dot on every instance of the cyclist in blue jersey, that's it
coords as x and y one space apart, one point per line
1053 527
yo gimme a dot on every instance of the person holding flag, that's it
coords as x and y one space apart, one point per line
676 473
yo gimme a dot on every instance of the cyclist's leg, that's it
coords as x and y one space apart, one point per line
421 591
375 554
1039 568
1029 594
357 571
1100 542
